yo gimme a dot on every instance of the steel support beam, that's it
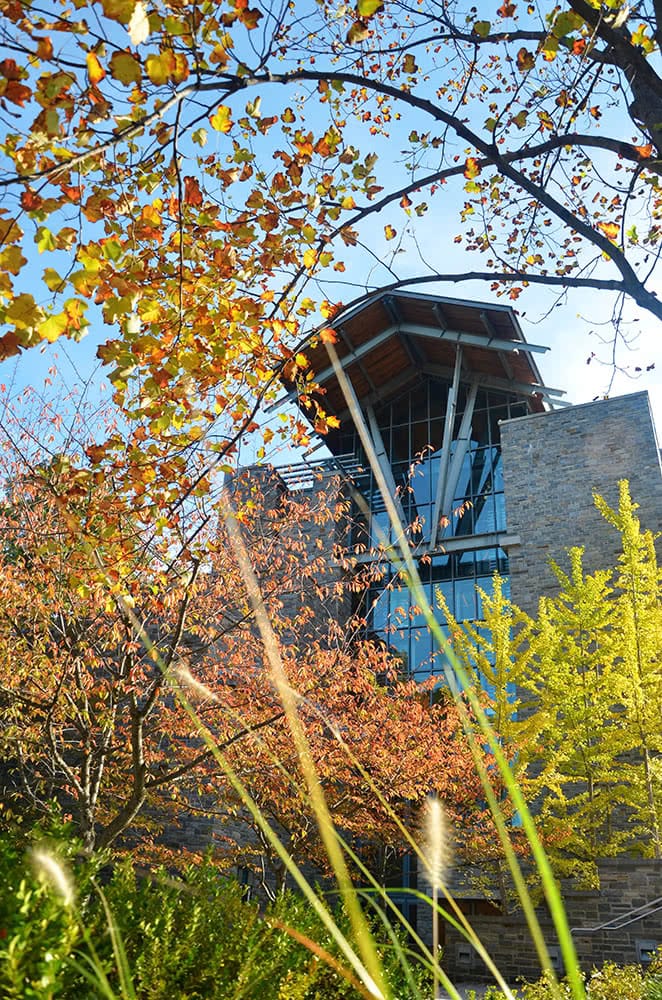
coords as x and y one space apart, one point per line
442 502
494 382
461 448
449 424
432 333
385 464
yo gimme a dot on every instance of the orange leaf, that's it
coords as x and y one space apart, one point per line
610 229
471 168
30 200
192 192
645 151
96 453
17 93
9 345
10 69
328 335
45 48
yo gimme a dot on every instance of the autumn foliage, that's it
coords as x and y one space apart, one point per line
91 599
204 179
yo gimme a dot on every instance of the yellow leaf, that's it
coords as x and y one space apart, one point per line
641 40
23 310
12 260
301 361
181 68
52 280
160 68
52 328
389 232
95 70
310 258
366 8
221 121
44 239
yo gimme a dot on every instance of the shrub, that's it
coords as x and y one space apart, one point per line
610 982
38 934
194 937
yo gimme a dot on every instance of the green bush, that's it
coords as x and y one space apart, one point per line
38 935
610 982
193 937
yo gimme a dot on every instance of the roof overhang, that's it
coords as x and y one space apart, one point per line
394 338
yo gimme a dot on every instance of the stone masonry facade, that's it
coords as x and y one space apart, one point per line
553 463
625 885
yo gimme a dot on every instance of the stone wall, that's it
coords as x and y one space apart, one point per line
624 885
317 587
553 462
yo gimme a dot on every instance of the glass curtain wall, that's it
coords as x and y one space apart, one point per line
411 427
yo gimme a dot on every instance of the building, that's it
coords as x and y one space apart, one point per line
490 469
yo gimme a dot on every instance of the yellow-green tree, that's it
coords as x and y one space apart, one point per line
575 696
496 654
577 682
638 635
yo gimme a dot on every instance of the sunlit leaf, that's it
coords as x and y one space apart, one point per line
221 119
472 168
366 8
138 27
95 70
125 68
609 229
481 28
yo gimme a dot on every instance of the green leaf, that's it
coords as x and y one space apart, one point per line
482 28
366 8
44 239
112 250
566 22
125 68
